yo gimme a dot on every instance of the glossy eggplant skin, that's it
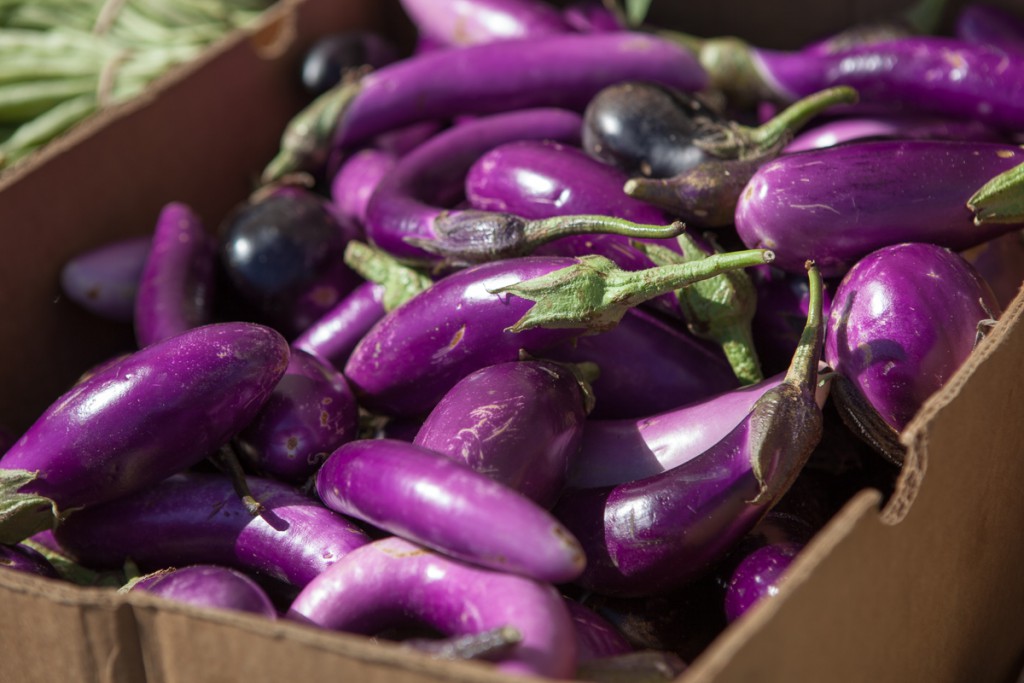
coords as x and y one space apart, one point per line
151 414
105 279
394 582
353 183
483 21
903 320
208 586
519 423
849 129
175 291
336 333
432 500
22 558
836 205
407 362
596 637
200 519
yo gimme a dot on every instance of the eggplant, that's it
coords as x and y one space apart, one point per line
198 518
987 24
838 204
336 55
336 333
656 534
903 320
592 16
430 499
105 279
596 637
478 79
176 286
158 411
457 23
779 314
206 586
906 126
486 314
354 182
519 423
394 582
25 559
310 412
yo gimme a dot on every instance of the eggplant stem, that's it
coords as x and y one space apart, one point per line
400 282
803 369
543 230
227 460
783 125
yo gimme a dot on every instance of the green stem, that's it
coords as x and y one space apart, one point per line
795 116
803 369
400 281
543 230
737 342
1001 199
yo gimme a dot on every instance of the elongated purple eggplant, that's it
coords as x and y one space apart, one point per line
479 79
596 637
430 499
175 290
987 24
198 518
487 313
104 280
912 127
336 333
158 411
903 320
207 586
394 582
519 423
592 16
461 22
356 179
655 534
309 413
23 558
928 74
838 204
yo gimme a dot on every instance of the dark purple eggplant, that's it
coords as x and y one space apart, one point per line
23 558
310 412
596 637
356 179
977 22
488 313
656 534
478 79
198 518
336 333
393 582
838 204
158 411
519 423
105 279
904 127
456 23
207 586
432 500
903 320
176 285
337 54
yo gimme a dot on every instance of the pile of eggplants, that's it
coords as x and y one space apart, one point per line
462 364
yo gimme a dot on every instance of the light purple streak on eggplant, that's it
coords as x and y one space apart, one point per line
1000 262
469 22
198 518
933 74
647 365
311 412
105 279
176 286
990 25
519 423
407 362
903 320
507 75
403 204
596 637
591 16
356 180
392 582
21 558
430 499
209 586
838 204
913 127
337 332
156 412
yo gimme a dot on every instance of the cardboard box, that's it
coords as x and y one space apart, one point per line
926 588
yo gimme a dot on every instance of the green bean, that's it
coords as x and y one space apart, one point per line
34 133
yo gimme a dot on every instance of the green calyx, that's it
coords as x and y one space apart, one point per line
720 308
595 293
23 514
1001 199
400 282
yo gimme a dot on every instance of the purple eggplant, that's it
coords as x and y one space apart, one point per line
207 586
596 637
488 313
25 559
904 127
903 319
394 582
779 314
987 24
430 499
198 518
838 204
519 423
457 23
336 333
176 286
311 412
356 179
656 534
592 16
158 411
925 74
104 280
479 79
